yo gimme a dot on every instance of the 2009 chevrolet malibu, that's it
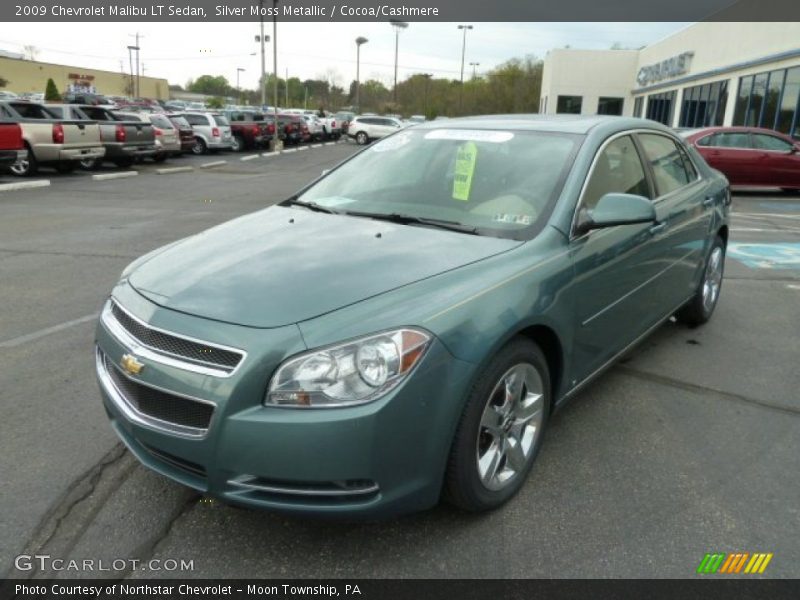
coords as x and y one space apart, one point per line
403 328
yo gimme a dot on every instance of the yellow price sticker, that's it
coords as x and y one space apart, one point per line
466 157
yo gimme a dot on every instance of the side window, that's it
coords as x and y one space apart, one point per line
617 169
709 140
763 141
5 113
57 111
732 140
688 164
196 120
669 168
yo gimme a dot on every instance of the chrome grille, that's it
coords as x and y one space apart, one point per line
190 350
158 404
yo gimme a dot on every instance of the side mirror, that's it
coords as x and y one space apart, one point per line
617 209
795 149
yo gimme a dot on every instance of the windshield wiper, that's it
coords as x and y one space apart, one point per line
293 201
412 220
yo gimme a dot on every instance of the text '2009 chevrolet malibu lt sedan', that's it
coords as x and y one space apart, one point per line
403 328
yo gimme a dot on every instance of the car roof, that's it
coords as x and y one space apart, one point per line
578 124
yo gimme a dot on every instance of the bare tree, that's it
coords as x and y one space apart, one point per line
30 52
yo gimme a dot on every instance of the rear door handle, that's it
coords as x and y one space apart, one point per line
658 227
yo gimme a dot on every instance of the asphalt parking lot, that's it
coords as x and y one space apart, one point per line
688 446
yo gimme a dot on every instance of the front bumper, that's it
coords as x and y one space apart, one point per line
375 460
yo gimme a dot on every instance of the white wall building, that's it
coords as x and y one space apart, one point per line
706 74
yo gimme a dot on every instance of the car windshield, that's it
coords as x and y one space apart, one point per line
501 183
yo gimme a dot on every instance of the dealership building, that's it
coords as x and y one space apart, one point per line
706 74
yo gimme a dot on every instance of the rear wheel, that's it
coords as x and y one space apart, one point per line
27 166
501 428
700 308
237 145
90 164
199 146
362 138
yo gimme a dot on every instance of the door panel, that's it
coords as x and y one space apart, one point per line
731 153
778 161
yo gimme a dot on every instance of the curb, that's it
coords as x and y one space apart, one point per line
216 163
251 157
174 170
24 185
268 154
121 175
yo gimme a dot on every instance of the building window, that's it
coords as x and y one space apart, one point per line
704 105
569 104
770 100
661 107
610 106
637 107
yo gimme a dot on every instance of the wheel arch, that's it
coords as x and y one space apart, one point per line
723 233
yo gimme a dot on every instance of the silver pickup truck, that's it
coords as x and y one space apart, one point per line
125 140
60 143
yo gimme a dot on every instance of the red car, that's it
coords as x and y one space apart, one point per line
749 156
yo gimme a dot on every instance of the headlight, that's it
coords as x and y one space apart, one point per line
353 373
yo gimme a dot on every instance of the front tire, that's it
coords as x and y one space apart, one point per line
362 138
700 308
501 429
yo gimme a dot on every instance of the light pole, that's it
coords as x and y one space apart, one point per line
262 40
474 65
238 87
359 40
427 77
398 26
463 51
130 60
278 144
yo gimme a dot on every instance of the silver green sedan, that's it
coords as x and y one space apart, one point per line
402 329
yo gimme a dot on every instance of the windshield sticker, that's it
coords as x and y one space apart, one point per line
466 157
513 219
392 143
470 135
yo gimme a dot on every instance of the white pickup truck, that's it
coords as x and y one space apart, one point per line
60 143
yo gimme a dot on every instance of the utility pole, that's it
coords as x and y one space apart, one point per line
473 65
287 87
263 59
398 26
359 41
278 144
132 89
238 87
137 35
463 52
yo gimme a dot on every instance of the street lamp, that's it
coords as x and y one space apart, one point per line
359 40
278 145
130 59
262 39
473 65
463 50
238 87
398 26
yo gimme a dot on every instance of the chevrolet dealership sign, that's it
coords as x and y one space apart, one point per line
666 69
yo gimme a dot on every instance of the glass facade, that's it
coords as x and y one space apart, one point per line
770 100
704 105
661 107
569 104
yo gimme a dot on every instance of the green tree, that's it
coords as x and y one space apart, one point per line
211 85
215 102
3 82
51 91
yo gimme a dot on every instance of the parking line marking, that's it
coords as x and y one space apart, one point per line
329 144
316 145
289 151
216 163
301 148
268 154
765 215
24 185
120 175
174 170
792 286
23 339
251 157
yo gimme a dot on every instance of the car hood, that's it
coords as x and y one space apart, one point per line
285 265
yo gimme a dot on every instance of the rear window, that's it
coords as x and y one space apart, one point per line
32 111
181 122
97 114
221 121
161 121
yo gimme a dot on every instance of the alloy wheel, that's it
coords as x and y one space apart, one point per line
510 426
713 279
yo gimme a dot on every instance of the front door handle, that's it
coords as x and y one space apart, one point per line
708 201
658 227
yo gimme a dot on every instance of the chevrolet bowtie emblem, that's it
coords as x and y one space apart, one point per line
131 365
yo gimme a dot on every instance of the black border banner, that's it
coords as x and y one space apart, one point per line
407 10
408 589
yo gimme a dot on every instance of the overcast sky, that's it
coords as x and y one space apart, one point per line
179 51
